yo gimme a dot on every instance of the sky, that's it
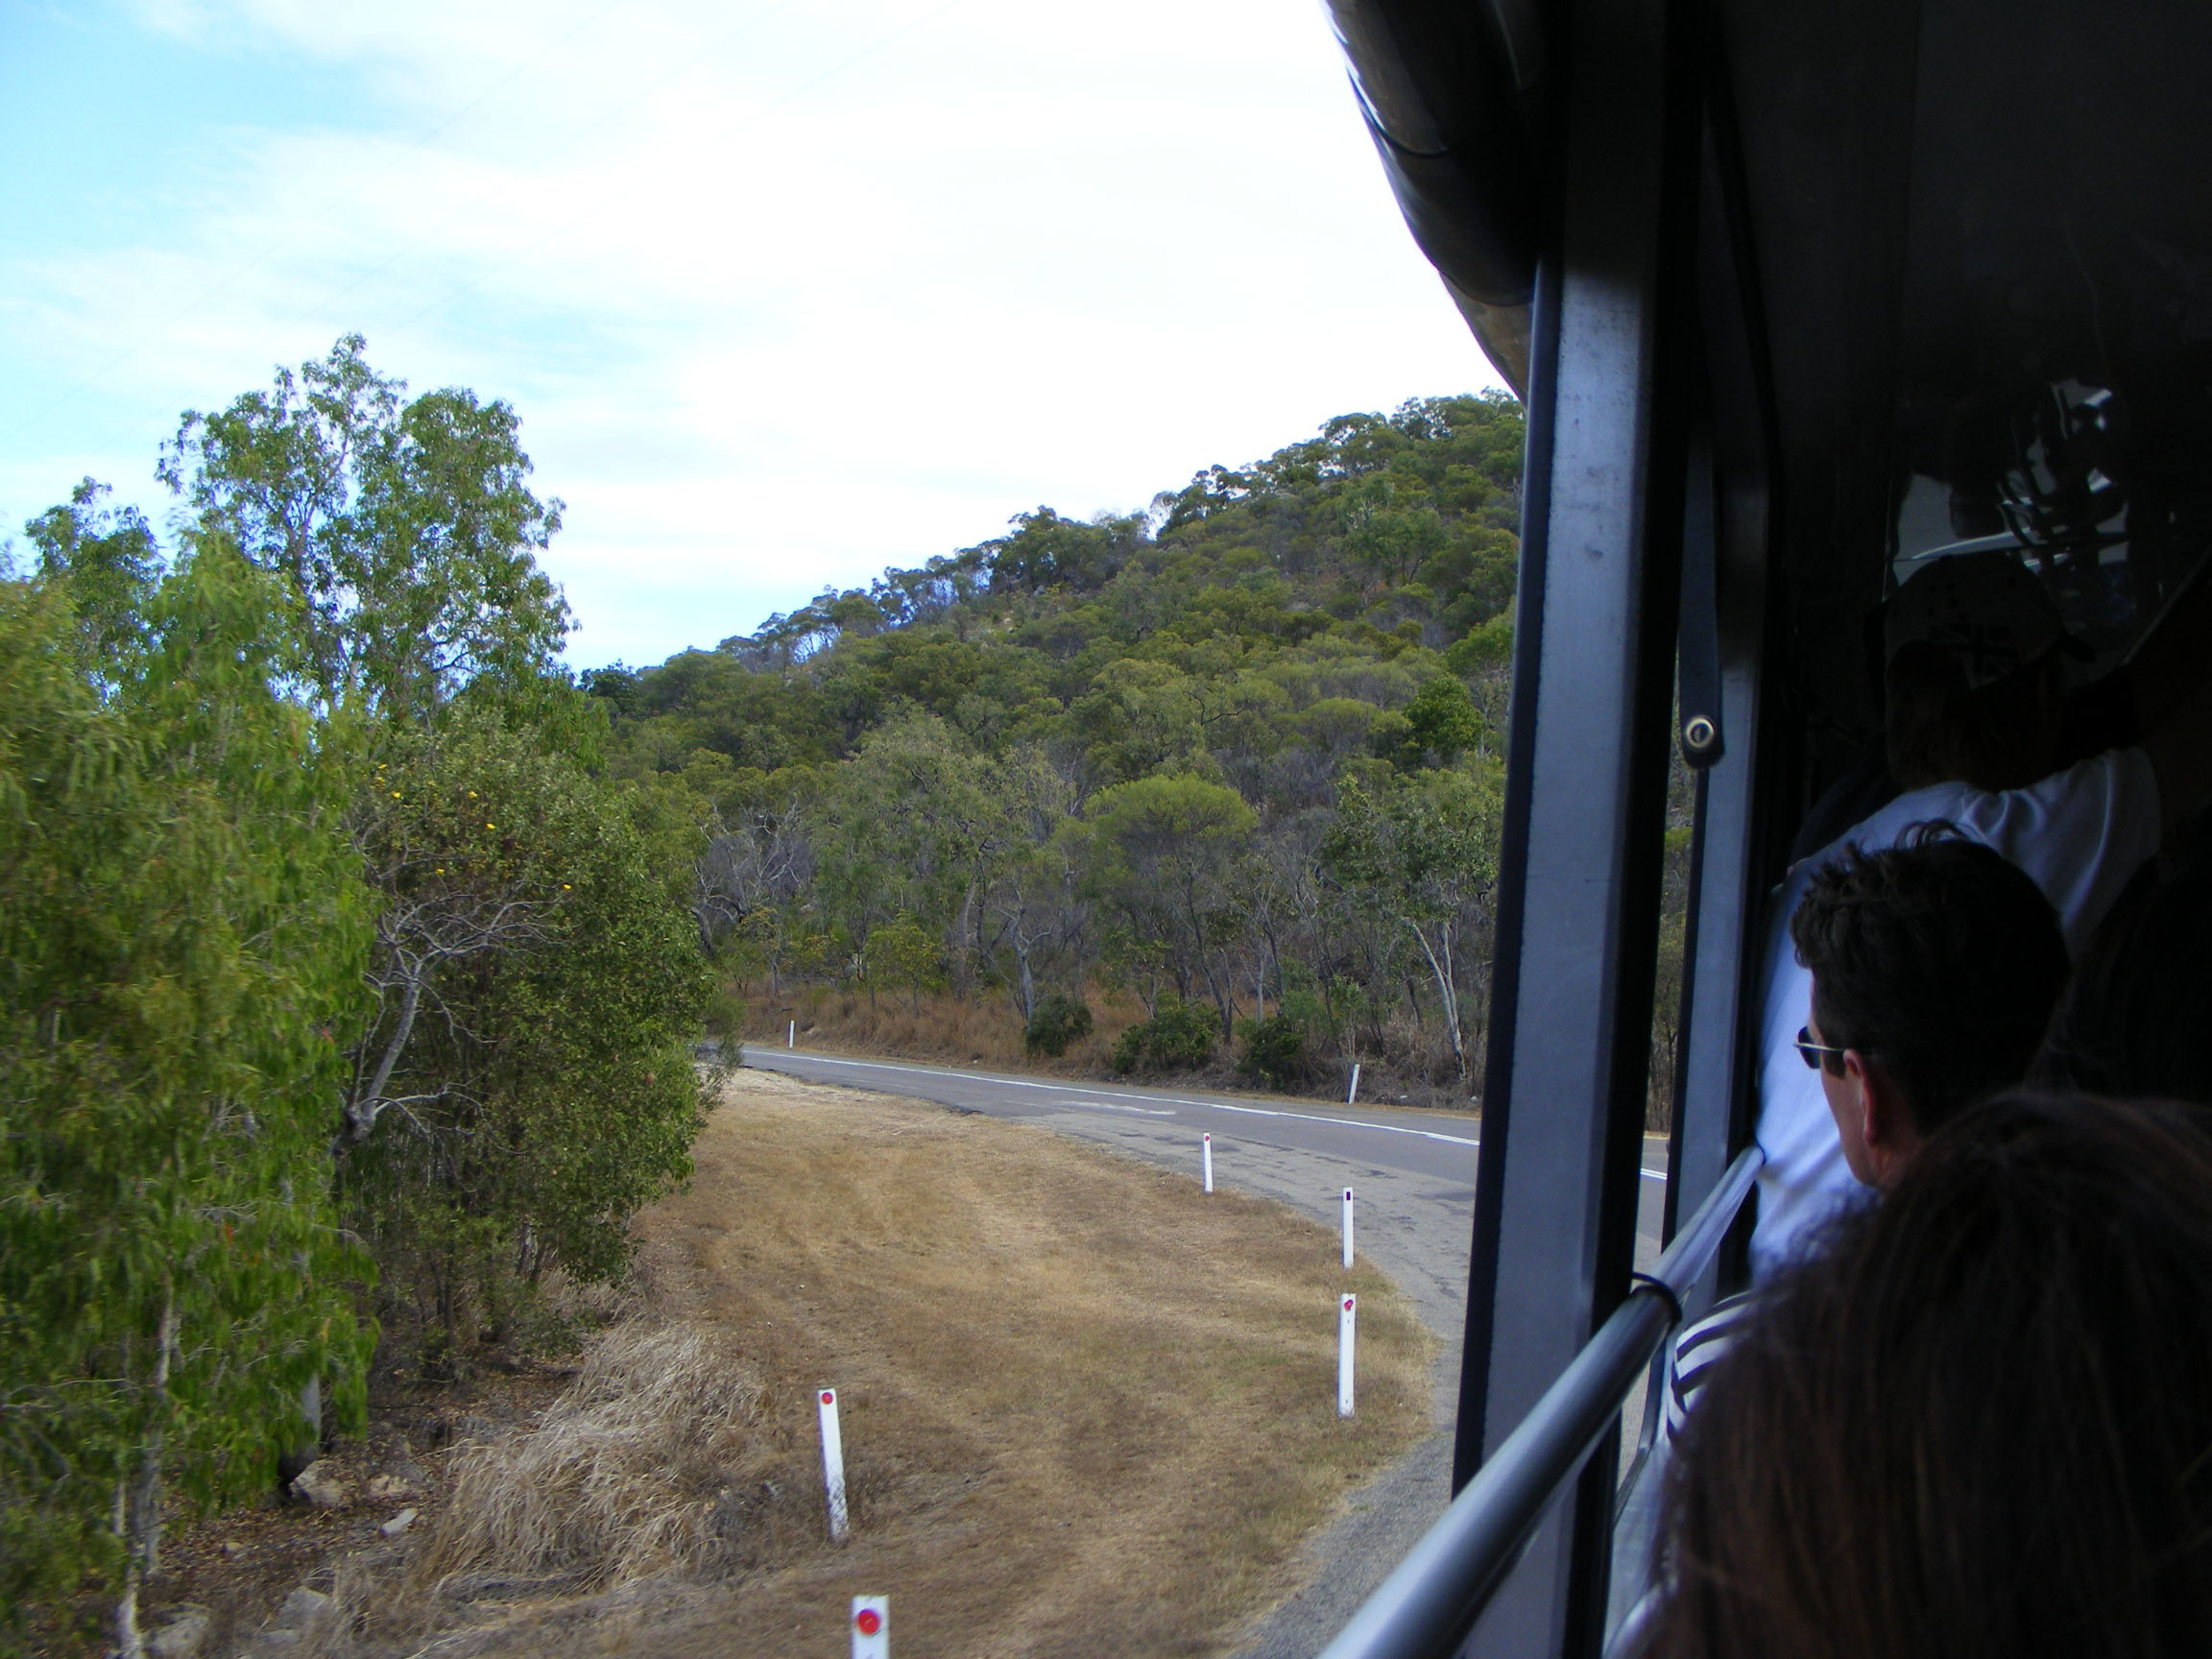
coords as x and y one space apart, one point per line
784 291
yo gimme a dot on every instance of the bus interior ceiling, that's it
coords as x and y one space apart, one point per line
1801 295
1972 220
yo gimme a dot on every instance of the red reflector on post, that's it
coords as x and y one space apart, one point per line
871 1627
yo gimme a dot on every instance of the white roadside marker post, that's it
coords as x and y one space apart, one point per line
791 1037
871 1627
1348 1306
1352 1095
1206 1162
833 1464
1347 1226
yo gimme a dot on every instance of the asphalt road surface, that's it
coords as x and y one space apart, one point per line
1413 1176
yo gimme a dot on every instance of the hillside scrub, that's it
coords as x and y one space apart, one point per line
1244 750
1119 754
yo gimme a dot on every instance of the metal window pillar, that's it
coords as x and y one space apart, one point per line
1564 1088
1732 456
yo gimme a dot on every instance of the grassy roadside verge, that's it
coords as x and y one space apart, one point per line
1087 1410
1091 1410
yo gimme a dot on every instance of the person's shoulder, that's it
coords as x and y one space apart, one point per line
2083 802
1886 826
1717 1326
1701 1345
2114 773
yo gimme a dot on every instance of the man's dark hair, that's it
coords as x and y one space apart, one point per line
1936 958
1977 1423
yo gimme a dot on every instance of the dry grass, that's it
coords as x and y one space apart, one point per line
628 1474
1087 1409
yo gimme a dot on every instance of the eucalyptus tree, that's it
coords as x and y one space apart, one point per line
407 527
1162 853
406 534
1421 853
911 824
1037 912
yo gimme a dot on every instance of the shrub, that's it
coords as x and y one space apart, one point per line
555 1094
724 1016
1178 1036
1058 1020
1275 1050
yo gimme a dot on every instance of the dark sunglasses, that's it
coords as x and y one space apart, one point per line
1812 1053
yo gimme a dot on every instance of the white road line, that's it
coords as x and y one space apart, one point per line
1204 1105
1113 1095
1102 1106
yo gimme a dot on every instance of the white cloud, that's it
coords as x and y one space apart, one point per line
782 294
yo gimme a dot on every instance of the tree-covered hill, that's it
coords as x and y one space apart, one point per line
1236 754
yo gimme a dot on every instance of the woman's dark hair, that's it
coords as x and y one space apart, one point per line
2134 1018
1981 1422
1937 958
1937 729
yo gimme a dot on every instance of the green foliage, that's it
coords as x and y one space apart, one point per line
306 844
552 1094
406 528
1160 855
110 558
1441 724
724 1019
903 954
182 927
1059 1021
1419 857
1178 1037
1275 1050
1485 650
1048 551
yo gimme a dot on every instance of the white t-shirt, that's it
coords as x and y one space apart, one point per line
2079 834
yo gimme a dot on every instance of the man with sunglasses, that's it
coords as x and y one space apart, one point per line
1934 967
1976 713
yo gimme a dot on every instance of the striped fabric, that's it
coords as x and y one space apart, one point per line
1701 1346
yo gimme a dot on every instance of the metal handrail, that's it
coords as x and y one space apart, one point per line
1429 1604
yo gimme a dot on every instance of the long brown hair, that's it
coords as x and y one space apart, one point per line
1981 1422
1939 729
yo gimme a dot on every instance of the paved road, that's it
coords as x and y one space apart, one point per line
1413 1172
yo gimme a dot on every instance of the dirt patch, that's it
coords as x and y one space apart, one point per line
1087 1410
238 1567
